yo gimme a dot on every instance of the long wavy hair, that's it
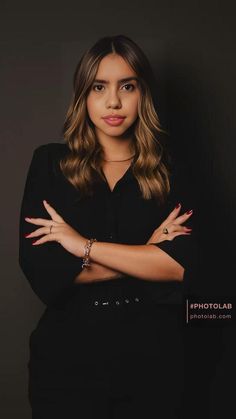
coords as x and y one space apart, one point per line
84 160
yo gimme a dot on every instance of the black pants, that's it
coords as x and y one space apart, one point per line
108 354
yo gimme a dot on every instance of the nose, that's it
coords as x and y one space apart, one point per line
113 99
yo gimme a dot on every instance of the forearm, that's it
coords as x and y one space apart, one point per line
146 262
97 273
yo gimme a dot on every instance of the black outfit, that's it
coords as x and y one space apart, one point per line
111 349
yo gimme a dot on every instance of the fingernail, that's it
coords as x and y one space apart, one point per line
28 217
178 205
189 212
189 229
33 242
27 235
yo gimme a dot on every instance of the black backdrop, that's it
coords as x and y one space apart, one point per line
191 46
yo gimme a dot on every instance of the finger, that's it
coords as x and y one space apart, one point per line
171 236
38 221
47 238
178 227
182 218
173 214
55 216
38 232
184 233
175 227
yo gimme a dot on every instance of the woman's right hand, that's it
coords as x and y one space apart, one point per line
173 224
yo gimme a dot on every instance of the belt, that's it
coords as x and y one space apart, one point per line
117 296
115 302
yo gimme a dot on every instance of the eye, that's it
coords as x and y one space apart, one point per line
129 84
97 85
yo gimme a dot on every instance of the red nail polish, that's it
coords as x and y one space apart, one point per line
178 205
33 242
26 235
189 212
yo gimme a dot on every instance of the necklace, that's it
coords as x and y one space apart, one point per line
119 160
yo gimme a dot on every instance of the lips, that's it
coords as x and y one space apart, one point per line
113 116
114 119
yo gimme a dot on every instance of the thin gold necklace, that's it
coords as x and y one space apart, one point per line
119 160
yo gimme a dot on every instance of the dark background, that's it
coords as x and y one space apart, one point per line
191 45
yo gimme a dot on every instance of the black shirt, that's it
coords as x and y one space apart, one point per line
118 216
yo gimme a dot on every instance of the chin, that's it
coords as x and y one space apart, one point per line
113 131
114 134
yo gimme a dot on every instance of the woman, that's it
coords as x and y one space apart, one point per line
105 250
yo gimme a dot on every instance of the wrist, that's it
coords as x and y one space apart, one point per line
81 247
86 252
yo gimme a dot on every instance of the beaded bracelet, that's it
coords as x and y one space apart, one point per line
87 247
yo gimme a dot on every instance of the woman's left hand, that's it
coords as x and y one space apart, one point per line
174 225
61 232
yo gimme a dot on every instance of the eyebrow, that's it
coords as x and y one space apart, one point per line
119 81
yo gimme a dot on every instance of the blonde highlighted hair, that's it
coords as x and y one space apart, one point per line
150 164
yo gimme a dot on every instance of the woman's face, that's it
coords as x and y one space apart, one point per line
115 92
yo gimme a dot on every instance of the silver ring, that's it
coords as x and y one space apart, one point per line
50 228
165 230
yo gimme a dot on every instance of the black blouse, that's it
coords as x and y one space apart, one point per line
118 216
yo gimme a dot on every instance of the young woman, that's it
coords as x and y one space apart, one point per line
103 245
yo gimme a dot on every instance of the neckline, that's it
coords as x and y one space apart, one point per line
127 174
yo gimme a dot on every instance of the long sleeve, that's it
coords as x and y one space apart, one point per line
49 268
184 248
